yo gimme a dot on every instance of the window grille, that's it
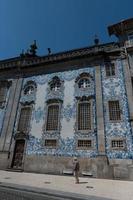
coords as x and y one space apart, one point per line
114 111
117 143
85 143
52 118
84 116
50 143
84 83
24 119
110 69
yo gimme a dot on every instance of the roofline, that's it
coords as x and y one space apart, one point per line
56 54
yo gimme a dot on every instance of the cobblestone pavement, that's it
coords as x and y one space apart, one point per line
13 194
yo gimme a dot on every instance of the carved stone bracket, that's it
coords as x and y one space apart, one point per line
21 136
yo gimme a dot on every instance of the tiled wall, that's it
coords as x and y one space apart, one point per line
68 136
112 89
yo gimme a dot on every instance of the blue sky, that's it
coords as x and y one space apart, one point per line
58 24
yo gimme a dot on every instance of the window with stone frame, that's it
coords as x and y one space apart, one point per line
50 143
3 93
55 84
114 110
84 144
84 83
29 88
118 144
53 115
24 120
110 69
84 115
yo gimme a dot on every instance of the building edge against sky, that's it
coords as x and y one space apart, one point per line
73 103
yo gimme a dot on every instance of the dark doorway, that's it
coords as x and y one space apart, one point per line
18 154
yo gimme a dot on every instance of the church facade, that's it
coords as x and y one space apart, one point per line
74 103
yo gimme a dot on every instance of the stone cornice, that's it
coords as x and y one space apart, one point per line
22 62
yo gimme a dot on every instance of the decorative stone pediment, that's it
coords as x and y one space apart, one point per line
21 135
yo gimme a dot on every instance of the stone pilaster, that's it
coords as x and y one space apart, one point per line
99 112
129 89
10 115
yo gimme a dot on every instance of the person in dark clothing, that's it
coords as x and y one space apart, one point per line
76 169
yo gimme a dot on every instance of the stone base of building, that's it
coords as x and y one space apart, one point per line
4 161
99 167
121 168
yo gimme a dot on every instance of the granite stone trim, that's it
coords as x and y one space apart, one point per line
99 111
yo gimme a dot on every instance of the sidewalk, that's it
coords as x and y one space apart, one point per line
111 189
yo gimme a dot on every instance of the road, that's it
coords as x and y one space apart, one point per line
15 194
12 194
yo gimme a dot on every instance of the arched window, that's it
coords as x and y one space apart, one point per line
29 88
84 83
55 84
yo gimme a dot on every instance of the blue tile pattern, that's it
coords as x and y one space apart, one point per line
66 147
68 112
38 114
66 76
114 89
28 98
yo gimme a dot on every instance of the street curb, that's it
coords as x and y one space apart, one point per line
49 192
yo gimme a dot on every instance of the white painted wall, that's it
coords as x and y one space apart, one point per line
67 126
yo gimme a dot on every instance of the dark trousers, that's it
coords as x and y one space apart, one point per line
76 174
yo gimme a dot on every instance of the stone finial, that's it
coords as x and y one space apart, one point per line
96 40
33 48
49 51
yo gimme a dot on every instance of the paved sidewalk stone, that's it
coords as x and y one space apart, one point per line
102 188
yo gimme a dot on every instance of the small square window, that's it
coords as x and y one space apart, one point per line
51 143
84 144
118 144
